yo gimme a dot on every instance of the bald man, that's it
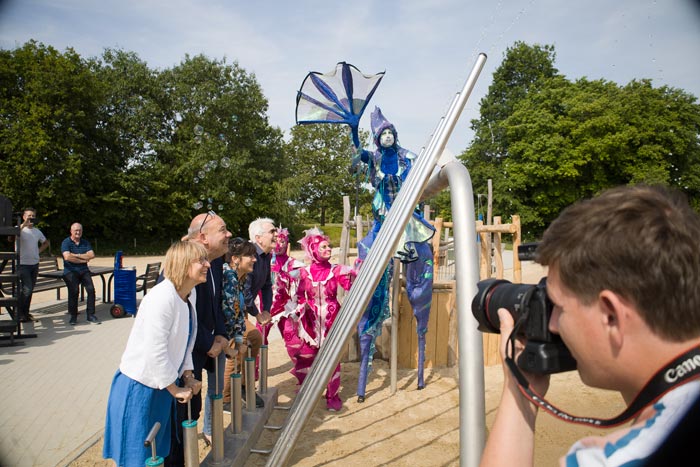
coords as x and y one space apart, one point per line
209 230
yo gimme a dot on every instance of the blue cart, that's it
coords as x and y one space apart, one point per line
124 289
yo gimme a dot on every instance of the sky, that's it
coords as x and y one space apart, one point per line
426 47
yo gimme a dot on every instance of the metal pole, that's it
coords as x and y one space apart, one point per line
395 297
217 421
263 369
472 426
250 384
236 404
189 435
150 441
369 276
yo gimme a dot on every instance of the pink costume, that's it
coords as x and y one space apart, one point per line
286 271
317 307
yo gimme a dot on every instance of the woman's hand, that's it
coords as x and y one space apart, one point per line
183 395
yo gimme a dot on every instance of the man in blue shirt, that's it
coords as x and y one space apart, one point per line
77 252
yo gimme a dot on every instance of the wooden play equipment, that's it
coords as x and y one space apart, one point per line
441 340
490 262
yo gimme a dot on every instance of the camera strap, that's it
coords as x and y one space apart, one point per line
681 370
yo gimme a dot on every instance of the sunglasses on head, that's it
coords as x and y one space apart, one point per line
209 214
237 241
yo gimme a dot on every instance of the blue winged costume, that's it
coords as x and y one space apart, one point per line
341 96
388 168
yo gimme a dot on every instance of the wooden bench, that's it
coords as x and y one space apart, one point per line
46 264
149 278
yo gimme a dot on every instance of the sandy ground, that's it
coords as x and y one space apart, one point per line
409 427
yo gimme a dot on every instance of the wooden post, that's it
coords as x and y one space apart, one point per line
345 234
517 267
438 223
484 257
358 228
498 251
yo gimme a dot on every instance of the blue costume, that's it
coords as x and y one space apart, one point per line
388 168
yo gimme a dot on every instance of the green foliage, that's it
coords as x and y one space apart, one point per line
55 153
561 141
132 152
319 158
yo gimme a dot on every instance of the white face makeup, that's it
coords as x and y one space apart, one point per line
386 138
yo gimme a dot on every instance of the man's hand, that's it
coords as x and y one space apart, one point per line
194 384
216 348
263 317
538 383
232 349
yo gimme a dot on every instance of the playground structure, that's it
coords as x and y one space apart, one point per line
441 339
419 182
433 171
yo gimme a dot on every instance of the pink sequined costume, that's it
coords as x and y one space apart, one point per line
317 307
286 271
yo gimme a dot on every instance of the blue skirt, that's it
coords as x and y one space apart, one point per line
132 410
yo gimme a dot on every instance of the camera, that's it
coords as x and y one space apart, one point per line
544 352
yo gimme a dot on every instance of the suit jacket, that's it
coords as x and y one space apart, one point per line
210 316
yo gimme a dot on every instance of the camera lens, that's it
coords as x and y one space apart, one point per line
493 294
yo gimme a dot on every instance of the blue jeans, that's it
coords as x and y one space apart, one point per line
74 280
211 390
27 276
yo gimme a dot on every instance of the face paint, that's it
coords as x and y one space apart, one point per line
386 138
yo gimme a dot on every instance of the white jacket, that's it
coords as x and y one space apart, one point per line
157 345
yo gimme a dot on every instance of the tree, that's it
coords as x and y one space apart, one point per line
55 155
223 153
319 158
525 69
547 142
572 140
135 110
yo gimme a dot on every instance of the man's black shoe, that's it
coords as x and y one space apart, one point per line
93 319
259 402
73 320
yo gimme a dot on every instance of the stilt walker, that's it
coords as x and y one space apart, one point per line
388 166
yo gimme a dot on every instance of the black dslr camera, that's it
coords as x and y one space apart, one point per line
544 352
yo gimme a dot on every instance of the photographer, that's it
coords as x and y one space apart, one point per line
32 243
624 282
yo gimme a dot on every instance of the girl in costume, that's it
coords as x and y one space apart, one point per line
388 168
317 307
155 370
286 271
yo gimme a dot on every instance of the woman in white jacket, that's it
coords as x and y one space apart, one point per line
156 367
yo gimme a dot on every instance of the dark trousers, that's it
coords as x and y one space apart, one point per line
27 276
73 281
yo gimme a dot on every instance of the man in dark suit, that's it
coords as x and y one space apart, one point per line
209 230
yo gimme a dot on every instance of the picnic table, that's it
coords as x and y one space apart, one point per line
94 271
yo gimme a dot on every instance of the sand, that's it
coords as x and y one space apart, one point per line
409 427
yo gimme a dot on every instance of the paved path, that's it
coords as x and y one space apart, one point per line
55 386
